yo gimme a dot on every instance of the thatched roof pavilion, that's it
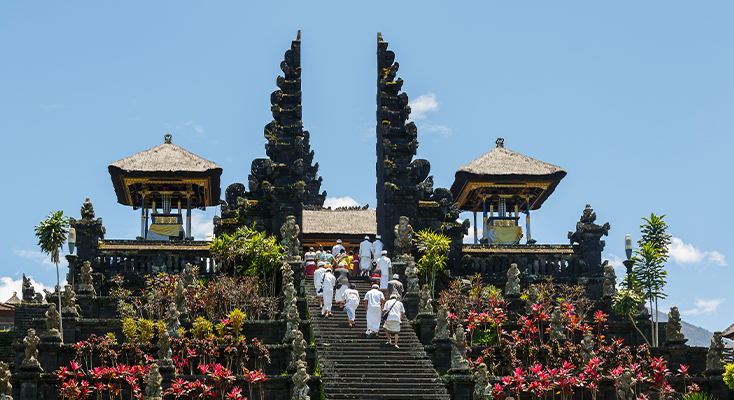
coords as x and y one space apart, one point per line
164 175
504 181
324 227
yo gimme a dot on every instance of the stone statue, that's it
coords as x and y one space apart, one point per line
179 297
714 357
30 362
411 272
29 293
403 236
87 210
289 233
52 333
512 288
68 300
458 350
290 311
482 388
299 349
300 382
532 298
164 349
588 235
425 306
153 383
442 324
610 282
86 285
172 323
287 273
625 384
556 325
672 328
188 277
587 347
6 389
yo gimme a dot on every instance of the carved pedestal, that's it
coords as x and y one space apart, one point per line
426 324
411 302
462 384
442 355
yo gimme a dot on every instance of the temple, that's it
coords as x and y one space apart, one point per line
503 317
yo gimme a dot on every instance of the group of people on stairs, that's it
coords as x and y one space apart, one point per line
360 260
333 284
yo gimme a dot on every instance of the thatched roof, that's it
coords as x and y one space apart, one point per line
166 162
13 300
346 222
729 332
501 165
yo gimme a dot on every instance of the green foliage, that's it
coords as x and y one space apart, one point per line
435 247
729 376
51 234
236 319
625 303
699 396
202 328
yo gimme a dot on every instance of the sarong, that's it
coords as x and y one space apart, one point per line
328 297
374 316
392 326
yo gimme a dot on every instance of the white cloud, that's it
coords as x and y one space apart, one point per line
201 226
369 134
704 306
8 286
440 129
421 106
199 130
685 253
36 255
335 202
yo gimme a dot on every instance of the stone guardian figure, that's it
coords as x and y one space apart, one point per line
426 306
403 237
299 350
458 350
556 325
6 389
153 383
482 389
512 288
442 324
52 333
30 361
300 382
69 307
172 322
610 282
625 386
289 233
411 272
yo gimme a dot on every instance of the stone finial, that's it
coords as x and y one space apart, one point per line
512 288
300 382
289 233
500 142
167 138
403 236
673 327
87 210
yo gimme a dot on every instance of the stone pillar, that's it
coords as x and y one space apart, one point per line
411 301
426 325
442 357
462 384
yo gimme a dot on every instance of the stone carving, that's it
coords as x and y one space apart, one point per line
188 277
610 282
458 350
29 293
588 236
300 382
30 361
87 210
403 237
291 312
164 349
531 298
68 300
289 233
625 386
411 272
86 285
425 306
153 383
179 297
556 325
672 328
299 350
287 273
482 388
512 288
6 388
172 323
587 347
442 324
714 357
52 333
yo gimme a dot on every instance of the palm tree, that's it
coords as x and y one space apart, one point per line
51 234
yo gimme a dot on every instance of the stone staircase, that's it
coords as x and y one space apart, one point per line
354 367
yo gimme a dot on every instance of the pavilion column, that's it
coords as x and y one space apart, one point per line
527 222
476 239
188 216
484 217
146 223
142 217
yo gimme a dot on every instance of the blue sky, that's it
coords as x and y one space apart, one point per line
633 100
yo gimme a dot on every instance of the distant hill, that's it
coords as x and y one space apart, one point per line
696 335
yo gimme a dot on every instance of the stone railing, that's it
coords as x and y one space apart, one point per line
151 256
493 261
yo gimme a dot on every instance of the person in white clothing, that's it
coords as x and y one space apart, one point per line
351 297
377 248
338 248
329 282
384 264
310 259
318 281
395 311
365 256
373 302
